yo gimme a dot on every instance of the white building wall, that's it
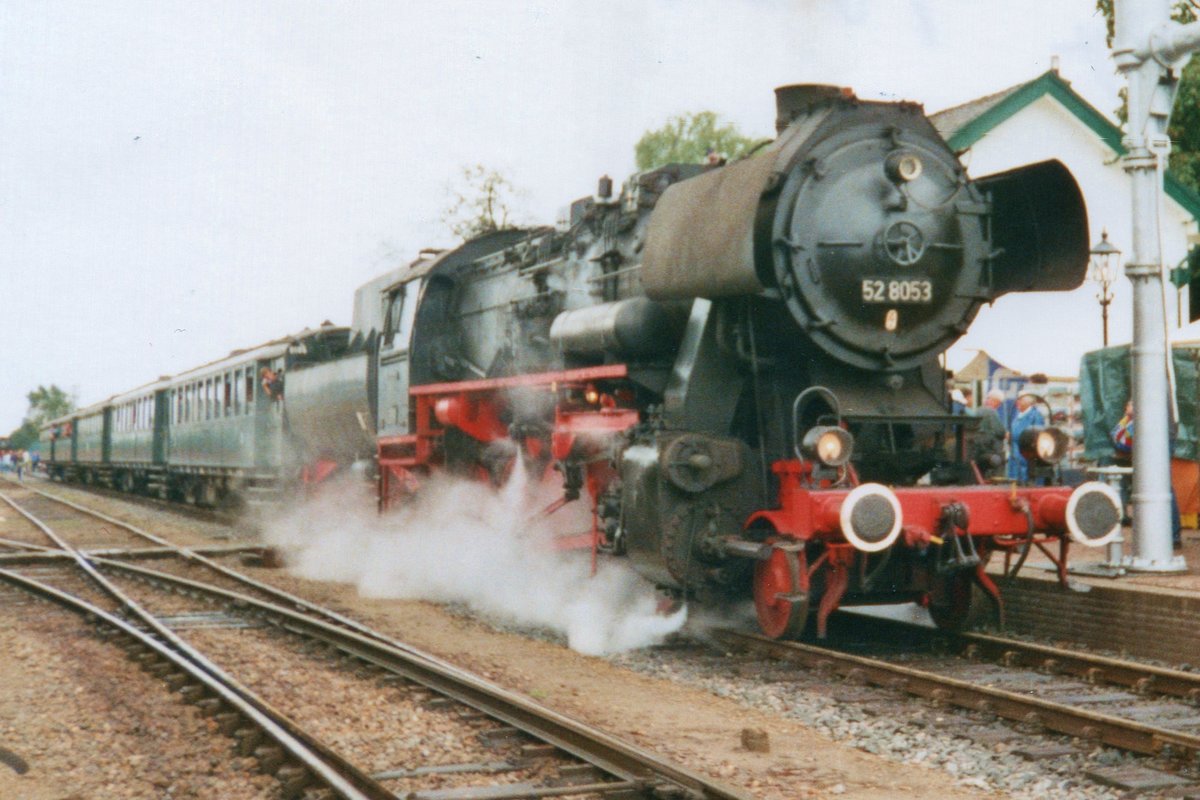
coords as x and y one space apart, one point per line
1049 332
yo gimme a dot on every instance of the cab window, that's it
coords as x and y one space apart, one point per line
395 316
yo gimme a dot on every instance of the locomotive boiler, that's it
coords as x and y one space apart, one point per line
737 366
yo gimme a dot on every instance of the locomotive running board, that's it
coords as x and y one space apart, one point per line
606 372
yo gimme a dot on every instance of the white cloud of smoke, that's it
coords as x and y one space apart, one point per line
460 541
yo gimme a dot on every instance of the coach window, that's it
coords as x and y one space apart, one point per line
249 389
228 387
237 392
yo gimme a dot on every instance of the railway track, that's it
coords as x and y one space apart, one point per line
1049 688
547 754
221 515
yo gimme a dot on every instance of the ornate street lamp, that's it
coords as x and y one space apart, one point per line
1105 260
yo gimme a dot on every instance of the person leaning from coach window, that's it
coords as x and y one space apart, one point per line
272 383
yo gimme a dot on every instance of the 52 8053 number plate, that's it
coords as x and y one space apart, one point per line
906 291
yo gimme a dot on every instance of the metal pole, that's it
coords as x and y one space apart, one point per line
1142 29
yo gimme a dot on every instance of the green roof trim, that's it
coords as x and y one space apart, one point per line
1051 83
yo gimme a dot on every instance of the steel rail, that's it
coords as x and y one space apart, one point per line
35 553
1142 678
194 554
215 514
1115 731
625 761
230 697
330 768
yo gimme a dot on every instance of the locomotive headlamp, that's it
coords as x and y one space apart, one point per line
829 445
1047 445
903 166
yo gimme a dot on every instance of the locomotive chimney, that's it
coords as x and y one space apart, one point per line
796 99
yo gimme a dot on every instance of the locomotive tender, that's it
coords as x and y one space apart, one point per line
736 367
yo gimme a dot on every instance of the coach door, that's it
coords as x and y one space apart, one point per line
106 436
162 419
267 418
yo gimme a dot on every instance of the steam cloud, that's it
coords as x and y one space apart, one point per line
464 542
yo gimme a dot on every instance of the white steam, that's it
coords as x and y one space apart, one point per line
461 541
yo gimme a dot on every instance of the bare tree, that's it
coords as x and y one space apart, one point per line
484 202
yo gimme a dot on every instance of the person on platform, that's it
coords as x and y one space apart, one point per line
1122 440
1028 416
987 445
958 403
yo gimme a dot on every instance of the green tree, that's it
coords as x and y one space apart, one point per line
45 403
1185 120
484 202
687 138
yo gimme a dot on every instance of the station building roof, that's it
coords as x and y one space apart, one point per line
964 125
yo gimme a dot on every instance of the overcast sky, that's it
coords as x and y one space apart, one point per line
179 179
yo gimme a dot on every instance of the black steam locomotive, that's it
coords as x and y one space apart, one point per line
735 366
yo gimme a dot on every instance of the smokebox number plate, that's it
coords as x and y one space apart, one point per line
910 291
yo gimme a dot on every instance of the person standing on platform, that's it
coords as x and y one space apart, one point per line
1122 439
987 446
1028 416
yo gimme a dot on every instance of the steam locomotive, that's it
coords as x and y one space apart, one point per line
736 367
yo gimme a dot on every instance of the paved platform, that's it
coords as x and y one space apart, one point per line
1154 615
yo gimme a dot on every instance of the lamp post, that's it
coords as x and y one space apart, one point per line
1105 260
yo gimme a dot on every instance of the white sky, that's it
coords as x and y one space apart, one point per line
179 179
